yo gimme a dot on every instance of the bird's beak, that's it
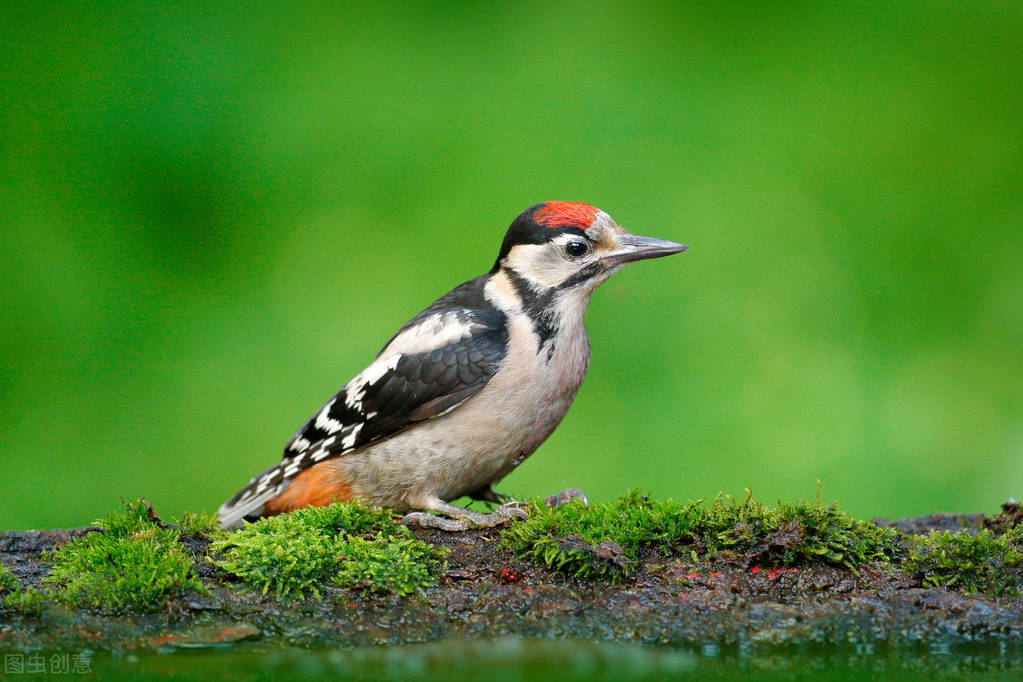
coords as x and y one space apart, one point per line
633 247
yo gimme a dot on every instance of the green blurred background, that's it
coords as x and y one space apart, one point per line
213 218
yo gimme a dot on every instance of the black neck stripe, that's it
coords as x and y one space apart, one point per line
537 303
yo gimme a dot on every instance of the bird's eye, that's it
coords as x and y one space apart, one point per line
576 249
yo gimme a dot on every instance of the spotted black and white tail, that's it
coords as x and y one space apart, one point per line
247 504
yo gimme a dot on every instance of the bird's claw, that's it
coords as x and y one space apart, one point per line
566 496
515 508
465 519
427 520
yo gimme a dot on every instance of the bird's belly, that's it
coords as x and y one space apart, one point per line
477 443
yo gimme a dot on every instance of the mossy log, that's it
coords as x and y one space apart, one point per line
738 597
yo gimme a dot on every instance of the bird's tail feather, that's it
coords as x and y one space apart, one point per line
248 502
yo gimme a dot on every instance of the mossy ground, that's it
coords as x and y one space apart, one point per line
136 562
133 564
605 541
13 598
986 562
8 583
345 544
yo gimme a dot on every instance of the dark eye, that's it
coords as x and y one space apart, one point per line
576 249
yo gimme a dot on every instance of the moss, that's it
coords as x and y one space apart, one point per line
626 525
13 598
401 565
26 602
135 564
800 533
138 562
347 544
803 533
196 523
8 583
984 562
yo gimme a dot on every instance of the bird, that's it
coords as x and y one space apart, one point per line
466 390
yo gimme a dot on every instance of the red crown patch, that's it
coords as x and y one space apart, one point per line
565 214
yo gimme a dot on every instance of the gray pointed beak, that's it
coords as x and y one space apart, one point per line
633 247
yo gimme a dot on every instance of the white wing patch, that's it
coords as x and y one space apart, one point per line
436 331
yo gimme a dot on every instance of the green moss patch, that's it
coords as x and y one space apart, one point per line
803 533
985 562
13 598
347 544
8 583
605 540
198 524
136 563
26 602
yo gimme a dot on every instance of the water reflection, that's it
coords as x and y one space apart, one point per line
509 659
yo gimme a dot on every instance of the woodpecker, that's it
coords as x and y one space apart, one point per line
467 389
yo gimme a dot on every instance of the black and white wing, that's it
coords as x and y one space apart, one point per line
433 364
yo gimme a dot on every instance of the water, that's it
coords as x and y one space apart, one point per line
510 659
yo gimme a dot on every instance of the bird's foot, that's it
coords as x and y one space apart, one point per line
566 496
463 519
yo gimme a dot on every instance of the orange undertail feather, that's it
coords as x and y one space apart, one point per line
317 486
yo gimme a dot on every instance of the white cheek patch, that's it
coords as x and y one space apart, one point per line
523 257
542 265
